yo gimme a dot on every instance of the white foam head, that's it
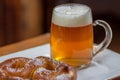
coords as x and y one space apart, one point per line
72 15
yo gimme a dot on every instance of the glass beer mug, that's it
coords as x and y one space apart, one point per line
71 38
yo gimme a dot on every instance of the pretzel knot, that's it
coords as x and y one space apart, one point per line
39 68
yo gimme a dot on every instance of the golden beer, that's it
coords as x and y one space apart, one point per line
72 45
72 35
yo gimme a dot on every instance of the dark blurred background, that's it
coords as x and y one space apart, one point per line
23 19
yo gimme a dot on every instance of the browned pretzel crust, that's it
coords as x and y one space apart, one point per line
39 68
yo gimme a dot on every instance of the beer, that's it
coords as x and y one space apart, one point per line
72 34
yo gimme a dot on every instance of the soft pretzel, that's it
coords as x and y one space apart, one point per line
39 68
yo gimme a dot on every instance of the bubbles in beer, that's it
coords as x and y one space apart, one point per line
72 15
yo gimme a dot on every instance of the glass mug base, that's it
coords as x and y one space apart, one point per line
77 63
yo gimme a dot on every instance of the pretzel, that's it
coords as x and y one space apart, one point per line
39 68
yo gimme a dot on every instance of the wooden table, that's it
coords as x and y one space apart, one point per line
26 44
29 43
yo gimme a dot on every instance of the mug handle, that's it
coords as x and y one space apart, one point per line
108 36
